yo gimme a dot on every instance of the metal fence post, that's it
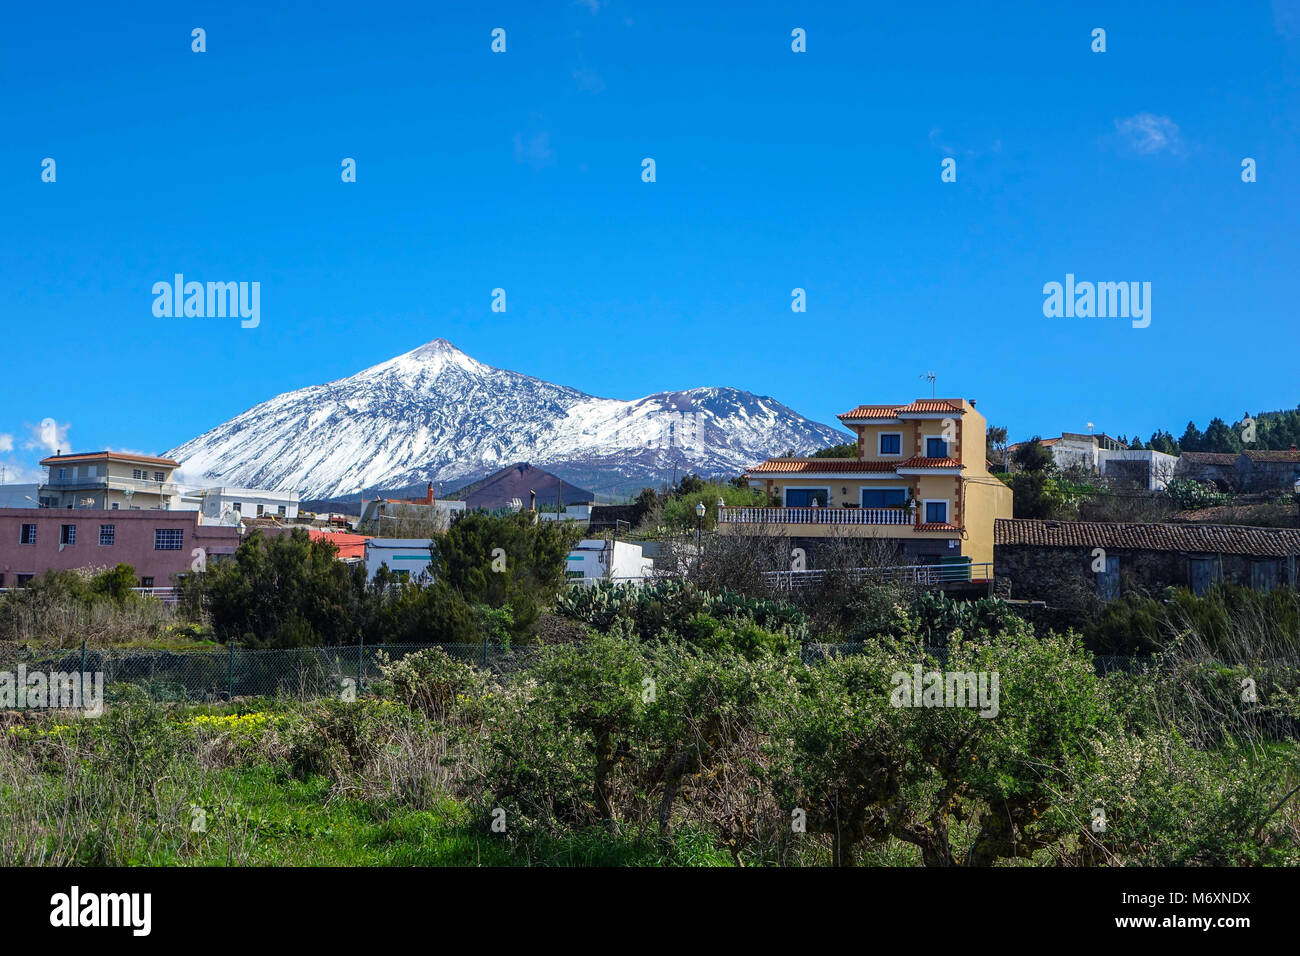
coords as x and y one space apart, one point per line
485 640
361 646
230 672
83 674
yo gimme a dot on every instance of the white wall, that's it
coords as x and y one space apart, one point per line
597 560
219 501
15 496
400 554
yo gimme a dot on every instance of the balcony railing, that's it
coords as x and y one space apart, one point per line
873 516
918 574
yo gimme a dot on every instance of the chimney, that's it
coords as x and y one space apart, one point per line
428 493
532 500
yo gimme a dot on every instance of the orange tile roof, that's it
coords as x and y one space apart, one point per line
872 411
349 545
920 406
921 461
932 405
109 455
798 466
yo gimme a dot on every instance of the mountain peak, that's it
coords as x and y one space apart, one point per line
436 414
432 358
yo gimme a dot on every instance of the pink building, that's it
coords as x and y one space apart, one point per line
158 544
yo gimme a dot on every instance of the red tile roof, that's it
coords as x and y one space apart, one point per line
798 466
107 456
921 461
349 545
920 406
872 411
1200 539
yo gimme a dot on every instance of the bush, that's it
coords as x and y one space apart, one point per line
1188 493
430 681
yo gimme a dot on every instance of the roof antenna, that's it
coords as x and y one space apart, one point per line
929 377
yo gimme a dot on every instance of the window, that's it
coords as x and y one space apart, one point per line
168 539
259 511
891 443
804 497
158 476
884 497
237 506
146 582
1263 575
107 535
1108 580
139 474
27 535
63 472
114 507
936 448
23 579
280 510
936 512
67 534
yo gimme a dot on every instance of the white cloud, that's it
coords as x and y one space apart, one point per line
48 436
1149 134
6 442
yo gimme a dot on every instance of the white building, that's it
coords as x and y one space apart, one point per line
223 503
20 496
409 557
601 559
1107 456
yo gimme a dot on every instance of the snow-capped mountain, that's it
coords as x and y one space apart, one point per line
436 414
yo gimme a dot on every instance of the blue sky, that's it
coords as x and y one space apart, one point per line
775 170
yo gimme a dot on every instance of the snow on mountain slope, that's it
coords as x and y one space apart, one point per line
436 414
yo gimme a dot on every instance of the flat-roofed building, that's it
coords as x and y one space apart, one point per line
111 481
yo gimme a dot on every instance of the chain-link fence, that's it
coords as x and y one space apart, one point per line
314 672
811 653
230 672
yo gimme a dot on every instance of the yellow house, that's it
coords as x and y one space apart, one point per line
920 480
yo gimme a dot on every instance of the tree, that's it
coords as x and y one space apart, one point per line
868 762
1192 439
1034 456
285 590
1220 438
847 450
513 560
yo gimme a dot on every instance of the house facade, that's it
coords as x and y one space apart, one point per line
920 481
406 514
1249 471
225 503
1143 468
157 544
1045 559
110 480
